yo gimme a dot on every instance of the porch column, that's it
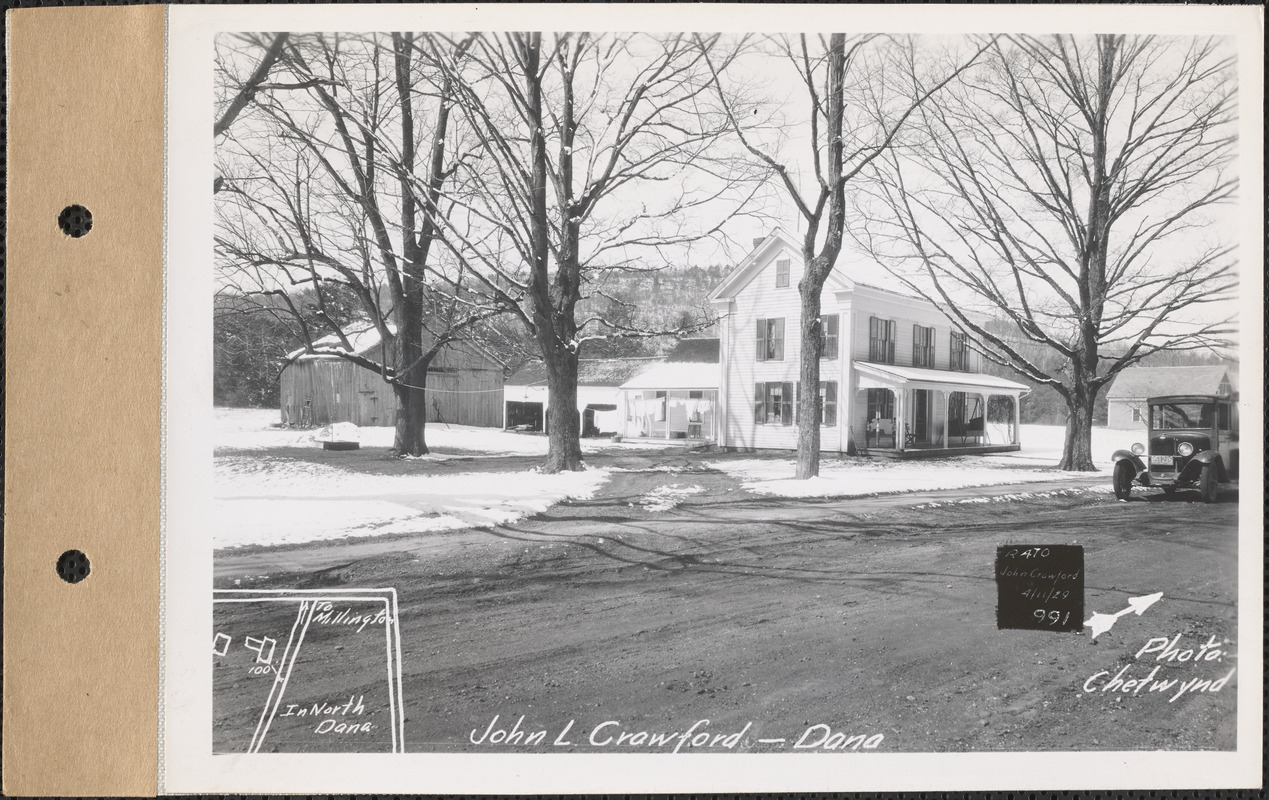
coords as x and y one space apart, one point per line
947 407
901 418
666 400
1017 420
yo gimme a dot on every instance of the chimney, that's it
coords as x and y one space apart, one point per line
759 240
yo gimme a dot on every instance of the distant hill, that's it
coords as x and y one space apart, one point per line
662 300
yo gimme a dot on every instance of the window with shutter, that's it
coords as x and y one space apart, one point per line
770 335
881 336
828 403
782 273
922 346
828 337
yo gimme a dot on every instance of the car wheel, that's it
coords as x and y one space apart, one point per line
1124 473
1207 483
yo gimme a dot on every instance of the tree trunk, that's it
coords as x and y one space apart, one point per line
808 454
410 437
1077 450
563 424
411 387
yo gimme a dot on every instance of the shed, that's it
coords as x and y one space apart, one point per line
526 399
1126 398
464 385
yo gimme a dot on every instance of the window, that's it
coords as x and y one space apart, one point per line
1181 416
881 336
922 346
771 339
828 403
773 403
1136 414
958 355
828 336
1223 416
782 273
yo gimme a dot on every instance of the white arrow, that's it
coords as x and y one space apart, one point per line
1100 623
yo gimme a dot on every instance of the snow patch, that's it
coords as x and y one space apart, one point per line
856 477
664 498
271 501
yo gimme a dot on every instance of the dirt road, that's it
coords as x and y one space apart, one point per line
792 621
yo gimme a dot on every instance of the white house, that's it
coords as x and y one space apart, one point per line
896 375
1127 395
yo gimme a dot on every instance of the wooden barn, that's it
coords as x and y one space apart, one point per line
464 386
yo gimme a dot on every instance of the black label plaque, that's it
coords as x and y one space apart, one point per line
1040 587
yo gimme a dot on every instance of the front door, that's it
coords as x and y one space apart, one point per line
921 415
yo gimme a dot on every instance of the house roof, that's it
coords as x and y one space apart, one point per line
363 340
888 375
759 257
1142 382
676 375
694 351
590 371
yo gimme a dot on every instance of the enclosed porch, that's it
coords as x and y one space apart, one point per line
914 412
672 402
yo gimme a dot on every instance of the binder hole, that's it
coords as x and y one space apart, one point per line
73 566
75 221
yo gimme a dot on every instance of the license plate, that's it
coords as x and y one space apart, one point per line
1161 460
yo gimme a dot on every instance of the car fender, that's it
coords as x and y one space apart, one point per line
1137 463
1206 457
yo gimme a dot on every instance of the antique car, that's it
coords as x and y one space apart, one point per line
1192 442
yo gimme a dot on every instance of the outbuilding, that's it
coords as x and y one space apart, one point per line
1126 397
464 385
526 400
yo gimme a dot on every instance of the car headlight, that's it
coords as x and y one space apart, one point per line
1185 449
1138 449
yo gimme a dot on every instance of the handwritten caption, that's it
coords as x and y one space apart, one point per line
1040 587
1163 651
699 736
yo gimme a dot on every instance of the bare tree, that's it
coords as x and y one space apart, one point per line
1067 186
597 153
327 191
856 109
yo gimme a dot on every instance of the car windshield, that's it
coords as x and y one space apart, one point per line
1180 416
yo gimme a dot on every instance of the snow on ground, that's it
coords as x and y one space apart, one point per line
268 501
852 477
664 498
1042 445
256 429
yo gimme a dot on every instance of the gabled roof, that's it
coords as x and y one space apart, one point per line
694 351
759 257
1142 382
590 371
363 340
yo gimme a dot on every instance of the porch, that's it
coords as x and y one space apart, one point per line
911 412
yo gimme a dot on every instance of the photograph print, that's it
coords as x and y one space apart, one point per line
731 393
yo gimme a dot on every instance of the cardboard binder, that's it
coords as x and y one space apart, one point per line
82 378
